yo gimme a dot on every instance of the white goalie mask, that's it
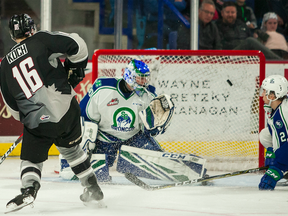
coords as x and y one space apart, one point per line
274 84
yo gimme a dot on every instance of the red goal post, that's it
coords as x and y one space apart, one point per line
216 93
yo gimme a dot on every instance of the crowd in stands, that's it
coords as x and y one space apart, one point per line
233 25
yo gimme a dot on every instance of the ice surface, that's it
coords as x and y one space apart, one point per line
231 196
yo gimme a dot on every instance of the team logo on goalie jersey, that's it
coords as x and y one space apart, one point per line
114 101
123 119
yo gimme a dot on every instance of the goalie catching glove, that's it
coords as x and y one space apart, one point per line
157 116
75 73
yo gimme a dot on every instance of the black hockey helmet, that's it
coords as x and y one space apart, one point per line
21 26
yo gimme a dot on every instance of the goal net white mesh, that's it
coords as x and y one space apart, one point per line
216 95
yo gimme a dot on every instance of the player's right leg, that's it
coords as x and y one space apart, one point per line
80 165
68 146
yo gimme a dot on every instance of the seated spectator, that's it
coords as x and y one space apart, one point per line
208 33
216 15
236 35
246 14
272 39
280 7
186 11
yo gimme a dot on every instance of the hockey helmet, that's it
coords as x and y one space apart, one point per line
275 84
21 26
137 74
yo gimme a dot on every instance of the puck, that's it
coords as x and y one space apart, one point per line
229 82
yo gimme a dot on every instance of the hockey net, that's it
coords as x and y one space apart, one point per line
216 94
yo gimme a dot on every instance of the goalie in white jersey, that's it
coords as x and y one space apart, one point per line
124 114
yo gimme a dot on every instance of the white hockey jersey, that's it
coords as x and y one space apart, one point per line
115 112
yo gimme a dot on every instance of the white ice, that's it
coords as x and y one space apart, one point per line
231 196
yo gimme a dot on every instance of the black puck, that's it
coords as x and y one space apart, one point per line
229 82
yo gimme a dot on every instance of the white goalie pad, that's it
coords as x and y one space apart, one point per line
158 114
89 135
160 165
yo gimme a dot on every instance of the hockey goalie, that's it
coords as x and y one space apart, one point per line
124 115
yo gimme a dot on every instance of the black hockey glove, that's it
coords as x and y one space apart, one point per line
75 74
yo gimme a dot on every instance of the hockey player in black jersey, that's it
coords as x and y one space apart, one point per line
37 91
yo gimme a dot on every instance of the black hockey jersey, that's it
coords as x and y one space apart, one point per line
34 83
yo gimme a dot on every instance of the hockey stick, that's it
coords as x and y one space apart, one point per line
145 186
11 149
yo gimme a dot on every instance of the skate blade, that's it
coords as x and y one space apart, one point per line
13 207
282 183
95 204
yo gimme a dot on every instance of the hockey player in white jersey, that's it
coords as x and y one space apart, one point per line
125 115
274 137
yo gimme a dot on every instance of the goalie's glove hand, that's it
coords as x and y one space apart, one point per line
270 157
270 178
157 116
75 74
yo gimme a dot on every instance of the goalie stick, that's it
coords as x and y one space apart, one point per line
11 149
145 186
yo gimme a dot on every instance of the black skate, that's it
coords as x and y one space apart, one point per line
26 198
93 195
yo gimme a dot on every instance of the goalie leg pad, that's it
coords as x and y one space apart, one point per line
160 165
100 167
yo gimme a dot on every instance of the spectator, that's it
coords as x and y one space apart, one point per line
272 39
236 35
186 11
246 14
208 33
280 7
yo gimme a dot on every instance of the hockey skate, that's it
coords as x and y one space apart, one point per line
284 181
93 195
26 198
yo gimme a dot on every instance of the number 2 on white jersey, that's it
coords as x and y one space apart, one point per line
32 77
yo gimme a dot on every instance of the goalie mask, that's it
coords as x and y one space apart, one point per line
137 75
275 84
21 26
